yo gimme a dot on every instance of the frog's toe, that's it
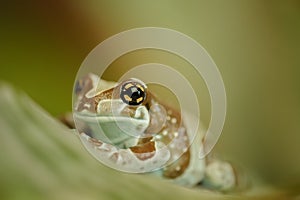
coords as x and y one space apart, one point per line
220 175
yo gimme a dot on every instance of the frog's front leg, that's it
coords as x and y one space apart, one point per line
143 157
137 159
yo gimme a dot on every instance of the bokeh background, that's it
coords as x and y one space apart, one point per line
255 44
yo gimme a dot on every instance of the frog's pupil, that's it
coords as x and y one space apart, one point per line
133 95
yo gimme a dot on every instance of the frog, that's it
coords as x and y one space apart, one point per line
140 133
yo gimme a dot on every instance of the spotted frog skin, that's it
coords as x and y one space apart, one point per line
158 139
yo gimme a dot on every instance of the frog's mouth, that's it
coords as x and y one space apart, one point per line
115 122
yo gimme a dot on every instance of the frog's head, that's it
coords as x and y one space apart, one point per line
116 113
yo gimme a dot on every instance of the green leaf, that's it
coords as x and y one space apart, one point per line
42 159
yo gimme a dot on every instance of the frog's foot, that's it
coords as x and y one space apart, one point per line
220 175
138 159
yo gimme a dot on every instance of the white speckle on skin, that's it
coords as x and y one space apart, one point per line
177 168
174 120
168 118
158 136
87 105
165 132
175 134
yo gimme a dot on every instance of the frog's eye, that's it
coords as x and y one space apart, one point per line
133 93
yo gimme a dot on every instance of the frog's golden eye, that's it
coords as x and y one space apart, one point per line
133 93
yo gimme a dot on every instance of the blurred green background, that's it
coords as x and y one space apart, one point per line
255 44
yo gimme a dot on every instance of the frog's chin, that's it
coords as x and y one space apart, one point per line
111 125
